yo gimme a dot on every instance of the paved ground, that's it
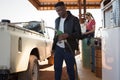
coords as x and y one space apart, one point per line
47 71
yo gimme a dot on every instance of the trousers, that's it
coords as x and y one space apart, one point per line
60 55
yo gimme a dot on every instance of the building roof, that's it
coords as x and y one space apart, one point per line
70 4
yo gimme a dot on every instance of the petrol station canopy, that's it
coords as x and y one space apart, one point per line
70 4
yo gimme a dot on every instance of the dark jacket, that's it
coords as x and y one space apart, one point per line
72 27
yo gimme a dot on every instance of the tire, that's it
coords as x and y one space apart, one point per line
32 72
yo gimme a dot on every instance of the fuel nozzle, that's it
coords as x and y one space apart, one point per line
58 32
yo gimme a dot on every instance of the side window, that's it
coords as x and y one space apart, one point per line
20 44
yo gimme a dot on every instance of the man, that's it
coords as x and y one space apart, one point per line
64 44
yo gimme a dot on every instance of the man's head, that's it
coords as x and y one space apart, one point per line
61 9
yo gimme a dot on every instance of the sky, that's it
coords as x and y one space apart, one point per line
24 11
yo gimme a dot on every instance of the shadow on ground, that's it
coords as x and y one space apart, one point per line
47 72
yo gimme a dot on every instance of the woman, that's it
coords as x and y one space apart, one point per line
90 27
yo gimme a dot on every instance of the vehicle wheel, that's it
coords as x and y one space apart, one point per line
32 72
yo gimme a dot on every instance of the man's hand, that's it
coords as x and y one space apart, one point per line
62 36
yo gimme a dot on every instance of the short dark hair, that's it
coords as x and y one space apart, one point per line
60 3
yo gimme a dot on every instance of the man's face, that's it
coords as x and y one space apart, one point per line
61 10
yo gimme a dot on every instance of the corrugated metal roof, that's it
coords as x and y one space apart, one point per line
71 4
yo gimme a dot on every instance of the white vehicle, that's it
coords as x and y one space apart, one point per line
20 50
